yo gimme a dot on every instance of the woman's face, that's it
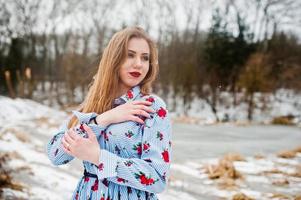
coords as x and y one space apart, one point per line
136 64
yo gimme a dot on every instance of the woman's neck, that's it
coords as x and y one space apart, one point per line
122 90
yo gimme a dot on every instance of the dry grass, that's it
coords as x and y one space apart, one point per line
259 156
286 154
297 197
280 196
23 137
226 183
273 171
241 196
234 157
298 149
283 120
281 182
224 168
289 153
297 172
5 178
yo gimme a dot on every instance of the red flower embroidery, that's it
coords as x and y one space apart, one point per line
150 99
138 148
130 94
146 147
161 112
103 197
121 180
82 127
76 196
95 186
145 180
100 166
165 156
86 179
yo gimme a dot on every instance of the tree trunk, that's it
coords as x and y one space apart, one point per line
10 88
251 106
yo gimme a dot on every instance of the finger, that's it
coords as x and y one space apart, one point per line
142 113
139 102
67 150
136 119
89 131
66 145
146 108
73 134
68 139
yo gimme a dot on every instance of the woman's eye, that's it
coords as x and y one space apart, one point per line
130 55
145 58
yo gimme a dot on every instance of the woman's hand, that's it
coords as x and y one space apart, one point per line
82 148
126 112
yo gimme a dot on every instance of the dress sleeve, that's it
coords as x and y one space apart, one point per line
150 171
55 151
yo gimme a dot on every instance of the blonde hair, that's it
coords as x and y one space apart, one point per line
104 87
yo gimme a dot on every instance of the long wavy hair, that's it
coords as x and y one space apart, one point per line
105 83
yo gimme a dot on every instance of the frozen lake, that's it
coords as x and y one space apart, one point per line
195 142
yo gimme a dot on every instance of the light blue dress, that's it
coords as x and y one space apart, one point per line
134 160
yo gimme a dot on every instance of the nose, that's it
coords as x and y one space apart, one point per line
138 62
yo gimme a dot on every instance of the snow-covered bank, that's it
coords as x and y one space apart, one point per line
266 108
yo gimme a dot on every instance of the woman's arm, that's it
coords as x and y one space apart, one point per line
58 151
55 150
148 172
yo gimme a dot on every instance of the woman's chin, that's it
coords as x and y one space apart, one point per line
133 83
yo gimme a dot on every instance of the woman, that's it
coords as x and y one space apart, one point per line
122 133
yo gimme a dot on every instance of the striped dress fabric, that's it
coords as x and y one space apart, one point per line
134 160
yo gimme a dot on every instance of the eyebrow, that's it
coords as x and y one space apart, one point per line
132 51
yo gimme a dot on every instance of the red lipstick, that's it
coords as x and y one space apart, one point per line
135 74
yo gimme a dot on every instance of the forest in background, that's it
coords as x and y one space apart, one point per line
55 46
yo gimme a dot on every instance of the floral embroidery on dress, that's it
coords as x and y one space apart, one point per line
129 94
129 134
145 180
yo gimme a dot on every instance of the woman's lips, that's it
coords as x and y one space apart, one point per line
135 74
